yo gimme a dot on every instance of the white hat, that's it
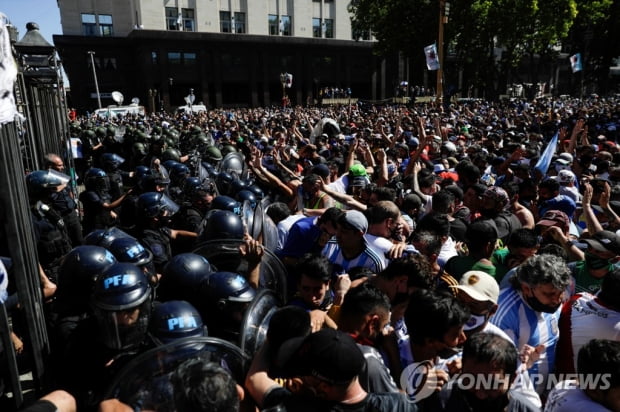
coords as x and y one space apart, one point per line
566 176
565 158
479 286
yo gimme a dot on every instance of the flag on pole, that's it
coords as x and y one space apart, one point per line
545 159
575 62
179 20
432 61
289 80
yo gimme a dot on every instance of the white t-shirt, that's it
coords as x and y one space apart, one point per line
566 396
283 227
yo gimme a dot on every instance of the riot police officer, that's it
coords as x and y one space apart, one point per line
64 203
102 344
50 233
110 163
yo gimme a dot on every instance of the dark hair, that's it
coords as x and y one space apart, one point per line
523 237
442 201
430 315
331 215
553 249
384 193
610 289
600 357
436 223
382 211
430 240
278 211
363 300
455 190
550 184
315 267
411 201
200 385
479 188
493 350
426 178
468 171
414 266
286 323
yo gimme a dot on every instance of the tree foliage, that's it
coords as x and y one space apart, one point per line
490 38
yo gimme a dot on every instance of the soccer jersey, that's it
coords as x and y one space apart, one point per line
583 318
526 326
568 397
368 258
583 281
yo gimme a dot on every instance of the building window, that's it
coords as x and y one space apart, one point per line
105 25
172 18
182 58
89 25
189 59
316 27
188 19
239 22
225 25
273 25
328 28
285 26
360 35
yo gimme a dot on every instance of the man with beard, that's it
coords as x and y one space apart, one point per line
365 314
494 207
529 310
486 358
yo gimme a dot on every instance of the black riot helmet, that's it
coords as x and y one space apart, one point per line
175 319
244 195
130 250
97 180
104 237
77 274
226 203
258 192
221 224
168 164
121 302
40 183
238 185
178 173
225 287
156 204
182 276
110 162
224 182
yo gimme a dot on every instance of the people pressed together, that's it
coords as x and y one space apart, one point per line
434 258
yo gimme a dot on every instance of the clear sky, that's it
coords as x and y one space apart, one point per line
43 12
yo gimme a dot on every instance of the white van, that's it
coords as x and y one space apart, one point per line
194 108
112 112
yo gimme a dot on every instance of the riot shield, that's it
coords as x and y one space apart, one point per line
257 222
144 383
247 215
234 164
224 255
270 233
256 321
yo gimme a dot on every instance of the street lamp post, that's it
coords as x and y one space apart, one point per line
92 63
444 12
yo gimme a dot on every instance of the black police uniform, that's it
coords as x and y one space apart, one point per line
158 242
64 204
95 215
51 237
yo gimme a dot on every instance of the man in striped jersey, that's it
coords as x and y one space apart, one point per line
349 249
529 310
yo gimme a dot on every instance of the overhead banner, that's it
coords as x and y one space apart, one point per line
432 60
575 62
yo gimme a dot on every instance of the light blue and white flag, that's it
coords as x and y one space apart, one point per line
432 60
545 159
575 62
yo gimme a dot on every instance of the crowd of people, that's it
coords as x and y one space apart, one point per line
457 257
